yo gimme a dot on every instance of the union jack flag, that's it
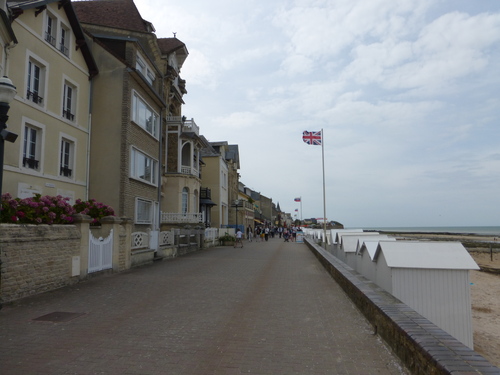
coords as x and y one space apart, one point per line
312 138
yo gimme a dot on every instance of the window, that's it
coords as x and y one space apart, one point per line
36 78
51 30
66 158
31 148
143 211
185 197
69 102
144 69
144 116
143 167
64 41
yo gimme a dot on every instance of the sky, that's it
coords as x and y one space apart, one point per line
406 93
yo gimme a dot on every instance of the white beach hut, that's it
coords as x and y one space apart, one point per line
343 237
337 237
433 279
349 245
365 257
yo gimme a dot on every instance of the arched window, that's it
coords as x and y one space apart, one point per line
185 200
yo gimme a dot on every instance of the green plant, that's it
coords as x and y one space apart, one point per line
227 238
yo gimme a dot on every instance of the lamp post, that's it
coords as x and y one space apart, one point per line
7 93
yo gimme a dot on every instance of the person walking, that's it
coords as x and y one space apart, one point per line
239 238
249 233
266 233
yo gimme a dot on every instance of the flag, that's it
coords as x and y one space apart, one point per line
296 210
312 138
297 199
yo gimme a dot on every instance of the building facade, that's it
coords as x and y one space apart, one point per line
52 68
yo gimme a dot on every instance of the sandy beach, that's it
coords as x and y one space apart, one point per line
485 288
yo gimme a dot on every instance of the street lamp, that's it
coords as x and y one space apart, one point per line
7 93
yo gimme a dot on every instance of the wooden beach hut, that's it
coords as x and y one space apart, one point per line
349 245
365 257
433 279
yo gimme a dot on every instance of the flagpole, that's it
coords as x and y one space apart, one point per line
324 194
301 210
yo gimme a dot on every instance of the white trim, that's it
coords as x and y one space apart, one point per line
132 165
26 122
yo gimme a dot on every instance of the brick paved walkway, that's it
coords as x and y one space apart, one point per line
268 308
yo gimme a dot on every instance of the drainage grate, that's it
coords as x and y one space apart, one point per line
58 317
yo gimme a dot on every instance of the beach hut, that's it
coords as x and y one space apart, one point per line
342 238
365 257
349 245
433 279
336 238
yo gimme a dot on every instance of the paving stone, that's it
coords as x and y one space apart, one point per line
269 308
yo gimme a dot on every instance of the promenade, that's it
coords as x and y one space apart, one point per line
268 308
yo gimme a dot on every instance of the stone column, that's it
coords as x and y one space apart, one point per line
82 223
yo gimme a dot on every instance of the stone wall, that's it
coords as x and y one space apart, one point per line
424 348
36 258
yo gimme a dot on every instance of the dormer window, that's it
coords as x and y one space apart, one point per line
57 34
144 69
51 30
64 41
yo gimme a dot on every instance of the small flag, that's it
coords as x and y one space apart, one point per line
296 210
297 199
312 138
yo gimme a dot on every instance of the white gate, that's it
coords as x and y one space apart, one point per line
100 253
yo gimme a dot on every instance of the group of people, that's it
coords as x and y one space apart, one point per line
264 232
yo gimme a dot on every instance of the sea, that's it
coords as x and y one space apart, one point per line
485 231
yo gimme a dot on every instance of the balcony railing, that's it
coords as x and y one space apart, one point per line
34 97
188 218
30 163
187 125
189 170
68 115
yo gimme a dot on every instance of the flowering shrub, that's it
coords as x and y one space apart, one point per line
48 210
36 210
94 209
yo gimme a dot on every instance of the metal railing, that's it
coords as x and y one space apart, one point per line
188 218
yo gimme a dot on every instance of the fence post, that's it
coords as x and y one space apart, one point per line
109 223
82 222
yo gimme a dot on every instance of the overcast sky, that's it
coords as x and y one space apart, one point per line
407 93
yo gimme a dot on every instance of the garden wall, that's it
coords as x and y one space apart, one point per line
36 258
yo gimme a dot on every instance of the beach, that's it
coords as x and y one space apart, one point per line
485 287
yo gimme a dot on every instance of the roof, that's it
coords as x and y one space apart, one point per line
335 232
350 243
19 6
423 254
169 45
342 236
117 14
370 246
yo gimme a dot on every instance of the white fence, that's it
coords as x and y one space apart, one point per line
100 253
193 218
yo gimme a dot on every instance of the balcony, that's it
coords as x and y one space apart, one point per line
187 125
180 218
190 170
34 97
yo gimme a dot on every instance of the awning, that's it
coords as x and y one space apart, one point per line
207 202
258 221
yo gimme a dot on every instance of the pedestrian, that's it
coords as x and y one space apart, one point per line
249 233
266 233
239 238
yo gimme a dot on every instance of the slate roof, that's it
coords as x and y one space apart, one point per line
168 45
119 14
